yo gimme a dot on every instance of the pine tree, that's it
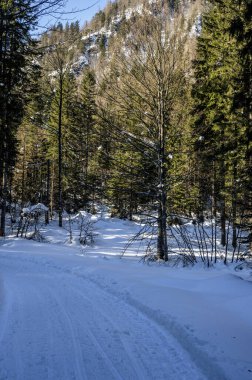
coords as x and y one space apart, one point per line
216 69
29 182
59 62
241 29
79 141
223 114
16 20
87 128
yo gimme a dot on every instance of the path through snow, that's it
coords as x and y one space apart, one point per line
66 314
58 325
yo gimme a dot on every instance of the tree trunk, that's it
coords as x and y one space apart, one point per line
162 247
52 189
60 151
249 146
47 192
23 172
3 206
5 165
234 205
214 197
223 222
222 199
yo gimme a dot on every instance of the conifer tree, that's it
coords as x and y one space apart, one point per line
223 114
29 182
241 29
87 99
59 63
216 70
16 20
78 140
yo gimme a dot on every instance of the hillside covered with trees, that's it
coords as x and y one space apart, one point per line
146 109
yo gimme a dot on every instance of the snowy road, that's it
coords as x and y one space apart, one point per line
68 313
58 324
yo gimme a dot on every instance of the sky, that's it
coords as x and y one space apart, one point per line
88 9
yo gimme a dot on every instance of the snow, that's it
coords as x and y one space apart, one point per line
82 61
138 9
244 271
37 207
72 312
92 38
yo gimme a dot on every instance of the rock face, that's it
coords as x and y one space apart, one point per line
96 42
98 36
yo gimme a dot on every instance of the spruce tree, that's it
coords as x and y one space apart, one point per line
222 129
215 132
88 106
241 29
59 63
16 20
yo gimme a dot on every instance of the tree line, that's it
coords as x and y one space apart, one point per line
160 125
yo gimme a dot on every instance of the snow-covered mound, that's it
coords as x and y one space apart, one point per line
244 271
39 207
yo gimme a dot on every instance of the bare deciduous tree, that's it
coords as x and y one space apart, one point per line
146 81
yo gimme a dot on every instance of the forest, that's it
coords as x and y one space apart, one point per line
145 109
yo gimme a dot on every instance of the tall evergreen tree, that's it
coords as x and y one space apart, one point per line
216 69
59 63
87 129
16 20
241 29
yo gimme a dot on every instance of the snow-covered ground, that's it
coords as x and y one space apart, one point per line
73 313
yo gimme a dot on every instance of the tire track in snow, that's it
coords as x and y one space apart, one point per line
26 342
38 291
190 344
33 325
92 327
159 348
96 333
7 309
63 319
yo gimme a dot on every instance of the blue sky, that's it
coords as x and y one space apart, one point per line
73 5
